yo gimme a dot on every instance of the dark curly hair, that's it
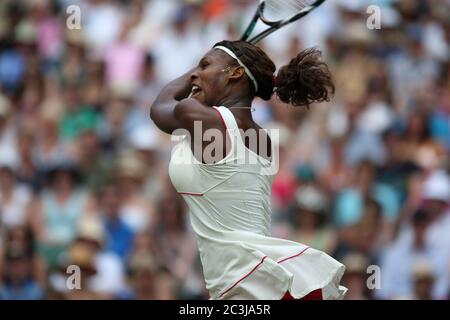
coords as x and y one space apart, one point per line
304 80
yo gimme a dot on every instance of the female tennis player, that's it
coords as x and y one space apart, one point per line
229 196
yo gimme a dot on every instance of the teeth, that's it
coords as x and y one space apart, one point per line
195 89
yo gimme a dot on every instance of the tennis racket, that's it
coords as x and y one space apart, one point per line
277 14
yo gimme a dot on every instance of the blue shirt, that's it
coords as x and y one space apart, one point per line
119 237
12 69
28 290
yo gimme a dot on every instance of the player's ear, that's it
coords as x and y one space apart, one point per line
236 72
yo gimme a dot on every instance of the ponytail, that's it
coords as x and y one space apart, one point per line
306 79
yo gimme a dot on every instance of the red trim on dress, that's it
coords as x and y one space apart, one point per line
249 273
313 295
295 255
256 267
192 194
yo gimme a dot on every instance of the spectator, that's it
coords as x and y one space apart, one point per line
135 210
399 259
78 116
95 163
179 260
18 283
56 212
103 275
118 235
27 172
310 220
7 132
124 62
49 149
355 277
423 281
150 281
14 198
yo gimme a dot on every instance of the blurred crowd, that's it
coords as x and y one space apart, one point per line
83 170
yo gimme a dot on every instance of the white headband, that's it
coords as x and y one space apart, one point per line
247 71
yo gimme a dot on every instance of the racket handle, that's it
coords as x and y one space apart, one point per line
252 24
249 30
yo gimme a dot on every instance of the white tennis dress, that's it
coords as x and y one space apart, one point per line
230 209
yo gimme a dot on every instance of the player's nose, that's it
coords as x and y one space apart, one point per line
194 75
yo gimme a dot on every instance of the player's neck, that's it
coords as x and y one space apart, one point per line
236 103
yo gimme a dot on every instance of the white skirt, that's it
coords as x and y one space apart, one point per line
257 267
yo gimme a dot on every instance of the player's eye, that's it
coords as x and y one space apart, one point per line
204 64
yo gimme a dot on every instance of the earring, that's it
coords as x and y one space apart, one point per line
226 69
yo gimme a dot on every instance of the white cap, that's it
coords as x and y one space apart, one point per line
422 269
437 187
310 198
91 228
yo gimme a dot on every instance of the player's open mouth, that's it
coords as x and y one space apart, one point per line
195 90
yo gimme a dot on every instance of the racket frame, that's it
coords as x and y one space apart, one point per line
273 25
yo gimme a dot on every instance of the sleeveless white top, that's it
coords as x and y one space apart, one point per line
229 204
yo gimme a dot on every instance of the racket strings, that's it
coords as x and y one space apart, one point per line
276 10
